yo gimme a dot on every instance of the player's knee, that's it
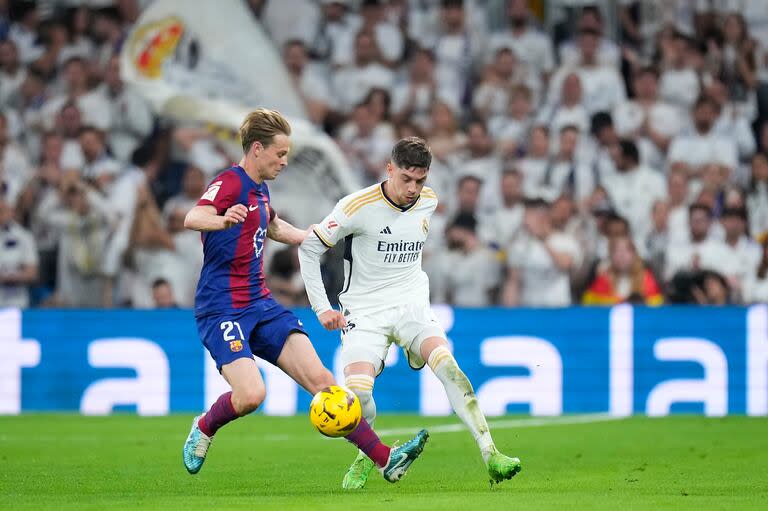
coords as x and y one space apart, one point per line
321 379
248 400
441 357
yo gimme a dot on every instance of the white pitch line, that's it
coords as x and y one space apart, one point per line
507 424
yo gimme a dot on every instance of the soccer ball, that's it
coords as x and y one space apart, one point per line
335 411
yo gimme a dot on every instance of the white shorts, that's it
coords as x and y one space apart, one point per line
367 338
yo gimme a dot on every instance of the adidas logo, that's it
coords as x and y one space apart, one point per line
386 230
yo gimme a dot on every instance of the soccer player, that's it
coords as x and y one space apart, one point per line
386 295
236 315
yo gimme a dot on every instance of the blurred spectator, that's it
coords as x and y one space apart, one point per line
444 136
468 195
510 130
41 193
367 143
525 39
12 73
504 223
603 87
337 23
701 251
679 82
492 95
539 262
712 289
478 159
623 278
756 284
657 240
734 61
93 107
15 169
162 295
757 200
606 51
311 86
678 192
413 98
634 188
23 31
742 255
568 108
131 119
353 82
703 146
192 188
458 49
566 174
84 228
18 259
388 36
732 123
652 122
477 282
536 161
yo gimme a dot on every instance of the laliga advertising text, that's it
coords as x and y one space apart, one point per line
635 361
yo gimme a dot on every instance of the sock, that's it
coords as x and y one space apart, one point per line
370 443
362 386
221 413
462 398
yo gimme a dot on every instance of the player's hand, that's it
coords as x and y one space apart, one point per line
235 215
332 320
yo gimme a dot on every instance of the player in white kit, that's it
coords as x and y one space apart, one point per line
385 298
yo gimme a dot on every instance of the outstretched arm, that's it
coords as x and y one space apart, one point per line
310 252
280 230
204 218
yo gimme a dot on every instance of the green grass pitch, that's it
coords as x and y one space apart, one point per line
257 463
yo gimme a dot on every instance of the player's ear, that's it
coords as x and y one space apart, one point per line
256 148
390 169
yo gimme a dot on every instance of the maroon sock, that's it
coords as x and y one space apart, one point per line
370 443
221 412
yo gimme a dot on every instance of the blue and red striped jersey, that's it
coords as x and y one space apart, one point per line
232 277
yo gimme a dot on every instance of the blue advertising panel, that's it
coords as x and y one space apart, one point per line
619 360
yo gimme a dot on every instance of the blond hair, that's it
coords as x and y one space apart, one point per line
262 125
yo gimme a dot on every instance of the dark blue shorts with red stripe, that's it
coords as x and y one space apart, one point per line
260 329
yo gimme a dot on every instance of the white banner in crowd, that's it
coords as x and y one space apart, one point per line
210 64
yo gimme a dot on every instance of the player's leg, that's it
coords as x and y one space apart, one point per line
298 359
359 377
464 402
223 339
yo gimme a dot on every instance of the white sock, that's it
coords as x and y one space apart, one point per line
362 386
462 398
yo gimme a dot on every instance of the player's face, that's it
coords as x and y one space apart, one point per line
272 158
406 184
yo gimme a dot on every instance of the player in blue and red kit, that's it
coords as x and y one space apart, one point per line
236 315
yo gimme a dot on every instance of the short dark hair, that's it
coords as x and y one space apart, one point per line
160 282
600 121
629 150
700 206
465 220
469 178
411 152
736 212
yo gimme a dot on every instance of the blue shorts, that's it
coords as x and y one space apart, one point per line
260 329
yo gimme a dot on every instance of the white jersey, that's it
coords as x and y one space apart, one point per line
382 255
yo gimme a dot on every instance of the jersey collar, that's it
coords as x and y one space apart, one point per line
389 201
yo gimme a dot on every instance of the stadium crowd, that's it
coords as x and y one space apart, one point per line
595 153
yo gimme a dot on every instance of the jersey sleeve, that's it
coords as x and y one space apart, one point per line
222 193
336 226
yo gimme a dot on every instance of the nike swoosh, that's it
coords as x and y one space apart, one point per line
253 208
